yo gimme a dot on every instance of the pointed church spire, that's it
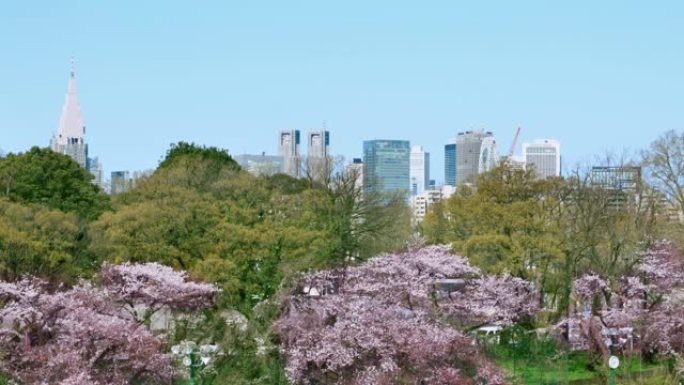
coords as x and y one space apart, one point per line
73 68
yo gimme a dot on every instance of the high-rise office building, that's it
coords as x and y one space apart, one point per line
544 156
450 164
120 182
476 152
288 148
70 136
420 170
386 165
318 161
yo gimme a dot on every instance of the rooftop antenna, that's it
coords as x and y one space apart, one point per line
73 67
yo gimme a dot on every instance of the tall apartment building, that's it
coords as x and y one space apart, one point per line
476 152
318 161
544 156
288 148
70 136
420 170
386 165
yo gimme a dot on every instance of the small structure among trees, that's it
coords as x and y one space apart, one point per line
398 317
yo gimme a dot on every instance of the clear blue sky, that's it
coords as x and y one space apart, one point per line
597 75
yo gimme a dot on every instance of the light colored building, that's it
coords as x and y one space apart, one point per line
95 168
70 136
386 166
288 149
476 152
420 170
516 162
420 204
544 155
355 170
261 164
318 161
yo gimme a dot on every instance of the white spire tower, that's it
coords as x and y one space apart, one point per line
70 138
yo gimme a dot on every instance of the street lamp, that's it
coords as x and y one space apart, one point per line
194 357
613 364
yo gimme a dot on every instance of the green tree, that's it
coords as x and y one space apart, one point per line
40 241
55 180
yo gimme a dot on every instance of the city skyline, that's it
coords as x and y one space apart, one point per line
233 75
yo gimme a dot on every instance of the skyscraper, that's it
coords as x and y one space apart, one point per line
120 182
386 165
420 170
318 154
288 148
450 164
544 156
476 152
70 137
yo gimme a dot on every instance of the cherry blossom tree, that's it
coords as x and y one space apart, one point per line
80 335
639 312
398 317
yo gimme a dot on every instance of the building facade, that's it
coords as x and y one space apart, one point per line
318 160
420 170
355 170
386 166
476 152
544 155
261 164
70 137
120 182
450 164
288 149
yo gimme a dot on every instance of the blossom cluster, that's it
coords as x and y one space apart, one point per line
80 335
641 313
398 315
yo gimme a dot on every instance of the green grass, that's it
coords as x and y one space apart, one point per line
542 362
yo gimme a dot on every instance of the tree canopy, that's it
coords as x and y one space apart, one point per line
42 176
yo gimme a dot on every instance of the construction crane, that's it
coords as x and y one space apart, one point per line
515 141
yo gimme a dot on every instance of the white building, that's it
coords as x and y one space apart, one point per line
419 173
70 137
420 204
288 148
355 170
544 156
